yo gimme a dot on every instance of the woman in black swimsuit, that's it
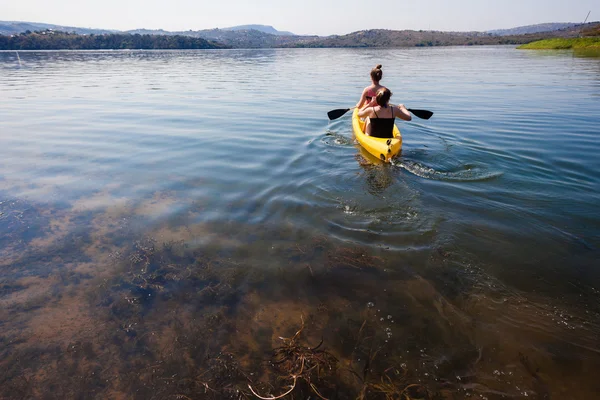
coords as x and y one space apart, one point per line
380 118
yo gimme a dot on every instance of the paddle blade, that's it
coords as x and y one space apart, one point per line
335 114
423 114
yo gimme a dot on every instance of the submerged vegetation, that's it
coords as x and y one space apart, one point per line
174 322
92 308
563 43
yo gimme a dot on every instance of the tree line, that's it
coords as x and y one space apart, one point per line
54 40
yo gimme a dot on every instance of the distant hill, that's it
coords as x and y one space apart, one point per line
407 38
250 38
410 38
240 37
151 32
521 30
16 27
260 28
593 30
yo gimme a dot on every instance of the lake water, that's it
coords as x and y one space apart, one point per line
189 224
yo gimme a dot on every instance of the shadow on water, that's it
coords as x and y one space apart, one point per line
258 312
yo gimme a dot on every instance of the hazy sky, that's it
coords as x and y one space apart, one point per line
321 17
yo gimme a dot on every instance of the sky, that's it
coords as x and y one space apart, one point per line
318 17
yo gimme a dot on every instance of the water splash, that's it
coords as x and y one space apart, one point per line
335 139
466 174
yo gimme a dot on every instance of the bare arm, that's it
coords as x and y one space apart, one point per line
372 103
365 112
401 112
363 99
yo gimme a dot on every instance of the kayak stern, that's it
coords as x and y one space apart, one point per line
382 148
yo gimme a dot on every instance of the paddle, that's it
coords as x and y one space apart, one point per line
423 114
335 114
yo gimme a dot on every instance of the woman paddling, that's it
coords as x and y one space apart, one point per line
380 117
369 93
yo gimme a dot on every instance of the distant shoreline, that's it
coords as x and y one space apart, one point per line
252 39
369 39
52 40
562 43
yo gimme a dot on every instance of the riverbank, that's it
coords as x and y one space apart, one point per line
561 43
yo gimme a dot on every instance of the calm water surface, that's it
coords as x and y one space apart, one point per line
167 217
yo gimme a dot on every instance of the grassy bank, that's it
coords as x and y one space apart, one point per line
559 43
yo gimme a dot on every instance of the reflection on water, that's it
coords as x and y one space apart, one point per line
593 53
152 246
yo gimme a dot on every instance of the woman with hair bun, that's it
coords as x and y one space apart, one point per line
380 117
368 95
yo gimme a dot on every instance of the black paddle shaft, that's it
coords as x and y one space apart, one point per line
335 114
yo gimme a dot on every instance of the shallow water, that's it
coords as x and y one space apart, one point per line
166 217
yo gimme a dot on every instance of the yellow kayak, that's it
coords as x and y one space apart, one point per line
383 149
